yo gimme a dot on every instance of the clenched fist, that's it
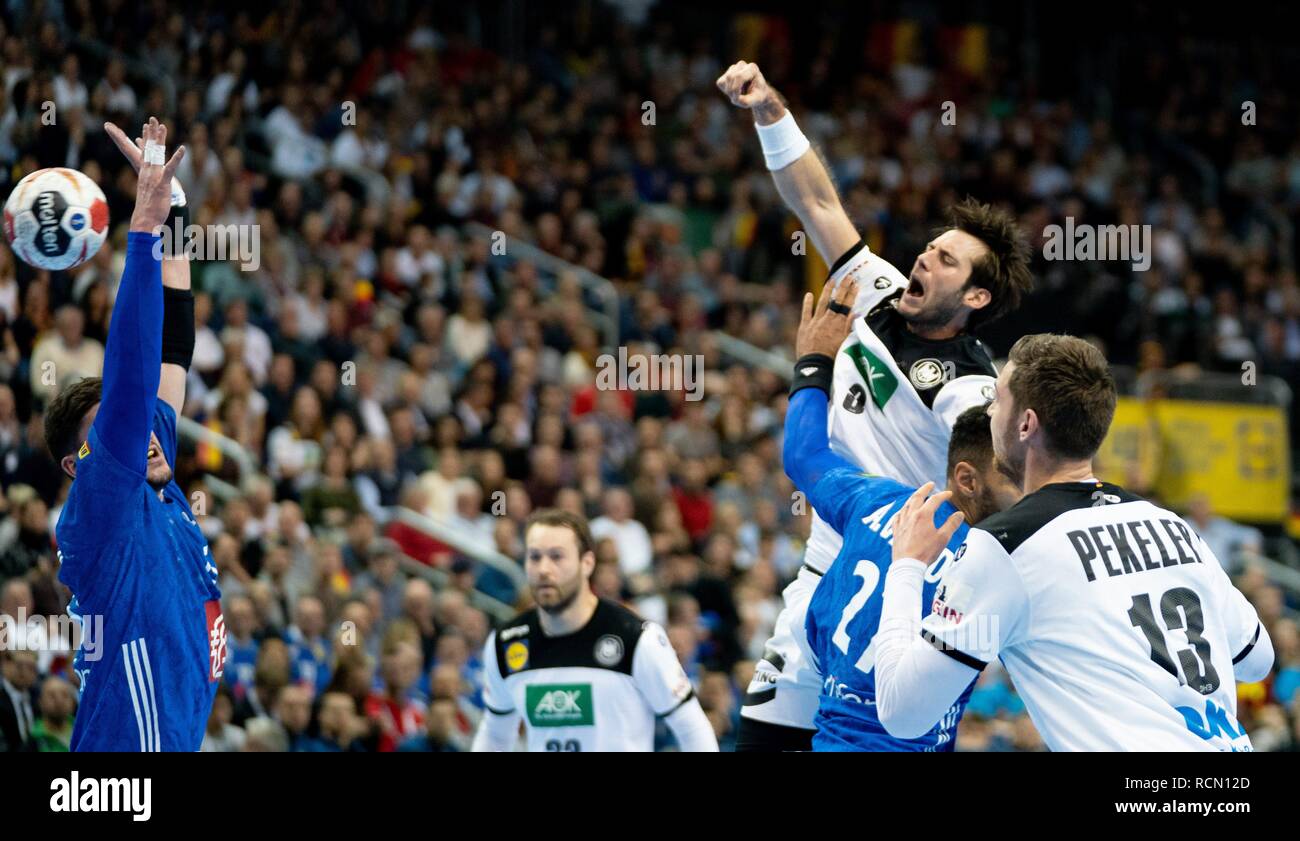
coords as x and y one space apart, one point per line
744 85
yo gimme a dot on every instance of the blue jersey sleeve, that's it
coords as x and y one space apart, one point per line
164 426
96 516
806 454
843 493
133 357
834 485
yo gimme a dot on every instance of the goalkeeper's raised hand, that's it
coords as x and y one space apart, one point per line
153 191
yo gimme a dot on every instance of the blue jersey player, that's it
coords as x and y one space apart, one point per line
131 551
845 609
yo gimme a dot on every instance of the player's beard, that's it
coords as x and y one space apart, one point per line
159 477
1012 467
566 599
986 505
938 313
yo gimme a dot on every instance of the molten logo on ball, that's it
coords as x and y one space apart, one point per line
56 219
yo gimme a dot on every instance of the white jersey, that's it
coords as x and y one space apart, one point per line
1113 618
597 689
894 395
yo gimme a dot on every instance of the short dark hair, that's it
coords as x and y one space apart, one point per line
1068 384
66 412
972 440
1004 270
559 517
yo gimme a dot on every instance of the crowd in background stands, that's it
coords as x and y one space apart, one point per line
382 357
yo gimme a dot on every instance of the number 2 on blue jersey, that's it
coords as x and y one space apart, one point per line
870 575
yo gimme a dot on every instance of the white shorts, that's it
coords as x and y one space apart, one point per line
786 689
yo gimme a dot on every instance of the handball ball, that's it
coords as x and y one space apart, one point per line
56 219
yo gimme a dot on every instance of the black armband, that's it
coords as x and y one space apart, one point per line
813 370
178 224
178 327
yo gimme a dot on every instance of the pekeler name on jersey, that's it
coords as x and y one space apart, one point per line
1126 544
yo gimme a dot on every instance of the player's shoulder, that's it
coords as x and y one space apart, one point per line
1013 527
845 479
163 409
520 625
612 618
608 641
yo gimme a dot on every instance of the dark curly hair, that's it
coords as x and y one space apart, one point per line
66 412
1004 270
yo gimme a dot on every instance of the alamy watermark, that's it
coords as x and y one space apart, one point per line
651 372
213 242
1099 242
53 633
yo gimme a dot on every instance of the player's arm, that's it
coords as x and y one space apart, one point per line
663 683
923 666
799 172
500 725
961 394
131 372
1252 648
178 299
832 483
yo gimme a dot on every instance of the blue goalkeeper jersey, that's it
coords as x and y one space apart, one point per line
844 612
144 588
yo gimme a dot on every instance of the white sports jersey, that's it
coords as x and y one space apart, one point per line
1113 618
894 395
597 689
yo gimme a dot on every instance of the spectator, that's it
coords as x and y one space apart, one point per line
440 731
293 713
17 700
395 715
65 355
221 736
52 732
630 536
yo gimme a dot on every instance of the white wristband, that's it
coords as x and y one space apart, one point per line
783 142
178 194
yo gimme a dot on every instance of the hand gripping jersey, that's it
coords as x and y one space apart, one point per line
597 689
1113 618
895 395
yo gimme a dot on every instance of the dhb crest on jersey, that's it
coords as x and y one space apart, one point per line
609 650
926 373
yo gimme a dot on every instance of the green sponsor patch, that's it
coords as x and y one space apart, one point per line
879 379
559 704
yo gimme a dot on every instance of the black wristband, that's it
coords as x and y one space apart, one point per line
178 327
813 370
178 223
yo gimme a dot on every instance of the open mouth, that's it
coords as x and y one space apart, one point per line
914 288
153 452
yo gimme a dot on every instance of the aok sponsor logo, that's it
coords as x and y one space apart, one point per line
559 705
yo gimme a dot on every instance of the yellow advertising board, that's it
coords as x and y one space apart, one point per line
1234 453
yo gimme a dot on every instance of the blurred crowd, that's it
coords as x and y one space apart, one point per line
387 361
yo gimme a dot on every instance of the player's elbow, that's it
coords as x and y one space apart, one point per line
790 463
1258 662
900 725
898 718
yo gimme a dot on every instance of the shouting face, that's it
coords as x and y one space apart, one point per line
937 294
